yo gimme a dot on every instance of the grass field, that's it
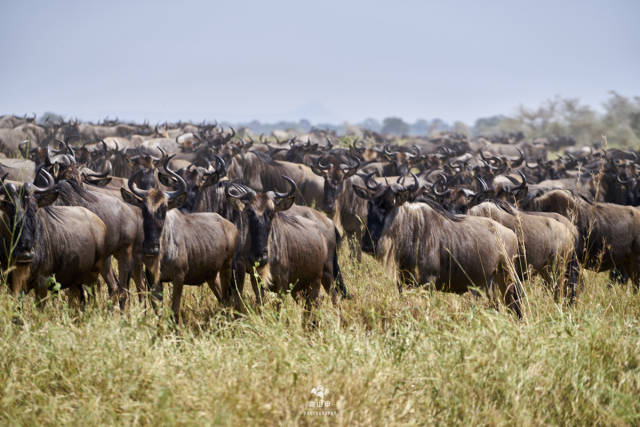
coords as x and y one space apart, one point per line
384 359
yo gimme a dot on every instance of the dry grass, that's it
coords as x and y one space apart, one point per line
386 359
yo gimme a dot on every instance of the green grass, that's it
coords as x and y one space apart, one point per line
419 358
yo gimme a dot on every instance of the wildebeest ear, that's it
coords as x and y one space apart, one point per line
46 199
361 192
98 182
130 198
165 179
284 203
178 201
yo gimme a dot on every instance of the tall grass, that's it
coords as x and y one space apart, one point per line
420 357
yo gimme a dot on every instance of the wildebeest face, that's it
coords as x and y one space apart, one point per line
154 205
19 206
261 210
383 199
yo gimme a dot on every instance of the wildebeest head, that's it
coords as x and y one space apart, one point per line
261 209
198 179
19 205
383 199
154 204
334 173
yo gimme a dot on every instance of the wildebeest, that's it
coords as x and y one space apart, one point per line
183 248
295 248
68 242
609 233
420 242
545 244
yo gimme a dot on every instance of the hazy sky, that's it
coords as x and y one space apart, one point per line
320 60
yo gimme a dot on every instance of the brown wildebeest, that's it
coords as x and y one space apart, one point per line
545 244
420 242
609 234
68 242
294 250
183 248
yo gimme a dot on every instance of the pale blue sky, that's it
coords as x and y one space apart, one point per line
324 61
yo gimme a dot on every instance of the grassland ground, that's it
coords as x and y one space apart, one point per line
377 359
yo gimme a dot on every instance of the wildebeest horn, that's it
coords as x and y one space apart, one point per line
132 186
520 185
434 187
322 165
183 185
104 145
103 174
329 144
369 179
483 184
291 191
221 167
239 191
387 150
621 181
50 182
519 160
414 151
413 187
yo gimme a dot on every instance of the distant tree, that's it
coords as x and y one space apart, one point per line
420 128
460 127
50 117
371 124
395 126
437 126
304 125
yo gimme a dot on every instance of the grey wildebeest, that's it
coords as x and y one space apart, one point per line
68 242
545 244
293 247
609 233
183 248
419 242
124 226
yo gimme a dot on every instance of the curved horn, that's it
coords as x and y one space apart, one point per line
50 182
291 192
434 187
103 174
368 179
621 181
175 176
519 160
134 189
239 191
413 187
322 165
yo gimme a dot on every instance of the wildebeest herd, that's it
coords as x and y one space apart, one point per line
188 204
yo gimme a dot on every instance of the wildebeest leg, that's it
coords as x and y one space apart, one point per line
311 293
175 300
618 275
213 285
337 273
41 292
136 274
109 278
510 291
258 290
572 274
124 267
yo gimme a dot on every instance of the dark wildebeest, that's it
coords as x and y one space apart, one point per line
124 226
183 248
68 242
294 250
545 244
609 233
420 242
